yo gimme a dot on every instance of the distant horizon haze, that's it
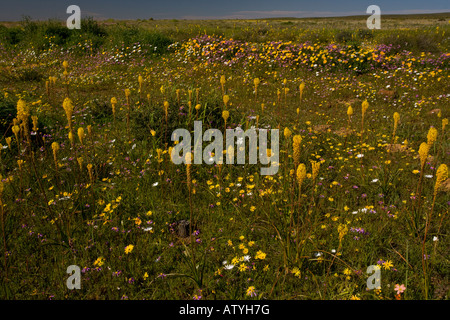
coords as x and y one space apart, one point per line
206 10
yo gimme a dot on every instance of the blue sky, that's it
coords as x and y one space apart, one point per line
12 10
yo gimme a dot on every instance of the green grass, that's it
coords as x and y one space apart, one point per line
358 212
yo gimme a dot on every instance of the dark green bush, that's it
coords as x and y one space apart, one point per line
7 114
11 36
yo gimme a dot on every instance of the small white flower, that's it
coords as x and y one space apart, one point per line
435 238
155 184
229 266
374 180
360 155
148 229
247 258
429 176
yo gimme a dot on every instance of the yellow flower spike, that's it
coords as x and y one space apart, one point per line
16 130
55 148
113 106
315 169
287 132
80 162
262 107
20 163
166 109
396 119
70 135
152 132
177 92
81 134
301 173
364 106
91 175
65 64
68 108
342 230
256 82
34 119
188 159
431 136
301 88
441 176
89 129
226 99
297 140
190 94
349 111
140 81
225 115
8 142
423 153
222 83
22 110
444 124
198 106
127 92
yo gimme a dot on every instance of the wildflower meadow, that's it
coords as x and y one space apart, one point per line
87 178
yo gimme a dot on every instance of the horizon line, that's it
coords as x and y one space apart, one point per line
236 16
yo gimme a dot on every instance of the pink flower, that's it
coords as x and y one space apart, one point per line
399 288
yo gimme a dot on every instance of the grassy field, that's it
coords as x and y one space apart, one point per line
87 180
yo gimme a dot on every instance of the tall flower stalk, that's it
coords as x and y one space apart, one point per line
3 228
188 159
113 107
127 96
300 175
256 84
441 176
